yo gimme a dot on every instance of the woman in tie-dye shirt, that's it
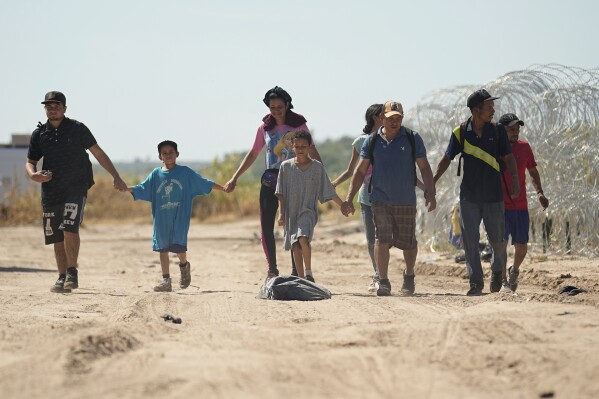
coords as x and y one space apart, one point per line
275 125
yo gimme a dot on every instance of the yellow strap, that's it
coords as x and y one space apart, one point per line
456 132
477 152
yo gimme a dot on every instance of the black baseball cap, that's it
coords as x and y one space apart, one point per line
167 142
479 97
277 92
55 97
510 120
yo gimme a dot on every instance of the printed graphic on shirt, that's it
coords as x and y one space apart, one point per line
279 147
171 191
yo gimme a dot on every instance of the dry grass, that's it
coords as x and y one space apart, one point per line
106 204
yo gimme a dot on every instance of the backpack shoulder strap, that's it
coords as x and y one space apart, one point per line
371 147
371 143
412 141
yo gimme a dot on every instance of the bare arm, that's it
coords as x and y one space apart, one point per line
248 160
281 220
429 183
41 176
347 173
536 182
441 168
338 200
106 163
347 207
512 167
218 187
357 179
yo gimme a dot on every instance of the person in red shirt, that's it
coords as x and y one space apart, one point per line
516 209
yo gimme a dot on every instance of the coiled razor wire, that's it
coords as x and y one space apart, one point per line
560 108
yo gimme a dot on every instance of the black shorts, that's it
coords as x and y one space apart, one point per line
174 248
66 216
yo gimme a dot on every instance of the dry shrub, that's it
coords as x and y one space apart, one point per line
106 204
21 207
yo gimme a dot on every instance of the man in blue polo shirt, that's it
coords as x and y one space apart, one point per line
393 193
483 145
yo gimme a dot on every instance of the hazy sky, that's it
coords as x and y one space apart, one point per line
138 72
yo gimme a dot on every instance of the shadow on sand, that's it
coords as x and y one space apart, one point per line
22 269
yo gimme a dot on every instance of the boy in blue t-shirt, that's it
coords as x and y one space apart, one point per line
171 190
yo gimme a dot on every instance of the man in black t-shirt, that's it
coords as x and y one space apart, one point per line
66 176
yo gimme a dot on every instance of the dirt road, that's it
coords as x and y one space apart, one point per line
107 338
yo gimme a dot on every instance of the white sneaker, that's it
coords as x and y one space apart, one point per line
374 284
165 286
505 287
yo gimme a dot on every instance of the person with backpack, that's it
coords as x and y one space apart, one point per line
484 146
394 151
517 218
65 177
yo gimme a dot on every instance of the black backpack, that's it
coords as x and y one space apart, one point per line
293 288
412 141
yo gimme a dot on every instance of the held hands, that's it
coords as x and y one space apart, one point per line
42 176
230 186
430 201
347 208
120 185
543 200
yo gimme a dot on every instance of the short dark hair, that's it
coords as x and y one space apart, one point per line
302 134
167 142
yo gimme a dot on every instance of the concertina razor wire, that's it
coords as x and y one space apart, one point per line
560 108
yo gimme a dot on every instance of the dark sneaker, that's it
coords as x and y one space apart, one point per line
185 275
374 284
495 285
513 278
270 275
408 287
72 281
505 287
475 290
309 277
165 286
384 287
58 286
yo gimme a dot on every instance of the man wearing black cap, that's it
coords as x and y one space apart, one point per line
66 176
483 145
516 210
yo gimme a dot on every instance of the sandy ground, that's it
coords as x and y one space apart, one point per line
107 338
